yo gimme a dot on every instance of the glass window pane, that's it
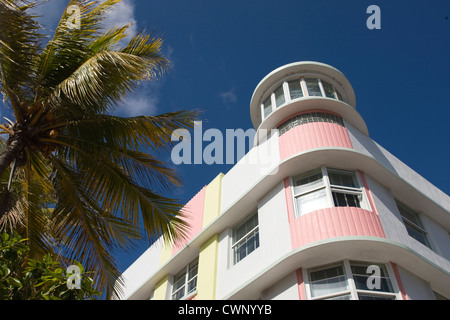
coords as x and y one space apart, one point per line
192 285
308 181
327 281
267 107
342 178
245 228
313 87
362 275
339 96
361 284
179 281
409 214
279 96
346 200
244 246
329 90
178 295
417 234
312 201
295 89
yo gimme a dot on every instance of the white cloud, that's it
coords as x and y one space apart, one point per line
144 101
120 15
229 97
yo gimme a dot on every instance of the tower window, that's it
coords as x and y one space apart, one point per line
279 96
267 106
295 90
328 89
313 87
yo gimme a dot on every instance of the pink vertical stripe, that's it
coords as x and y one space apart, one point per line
300 285
401 287
193 212
313 135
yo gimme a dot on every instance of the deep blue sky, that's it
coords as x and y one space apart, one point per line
222 49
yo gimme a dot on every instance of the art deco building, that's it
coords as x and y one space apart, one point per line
324 212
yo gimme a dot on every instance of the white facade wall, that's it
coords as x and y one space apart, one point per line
285 289
245 175
416 287
147 264
395 229
274 238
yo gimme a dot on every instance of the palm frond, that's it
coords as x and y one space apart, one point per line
19 48
146 133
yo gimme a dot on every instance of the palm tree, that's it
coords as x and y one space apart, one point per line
88 180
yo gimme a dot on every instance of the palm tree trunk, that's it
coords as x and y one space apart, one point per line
13 150
12 153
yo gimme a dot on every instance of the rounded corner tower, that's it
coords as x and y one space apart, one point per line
298 87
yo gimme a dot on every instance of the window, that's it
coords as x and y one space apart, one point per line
185 282
350 280
295 89
328 89
367 286
267 106
339 96
309 118
413 224
345 188
329 281
313 87
325 188
310 192
245 238
279 96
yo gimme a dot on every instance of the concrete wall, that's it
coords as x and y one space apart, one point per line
258 162
416 288
274 238
285 289
147 264
395 229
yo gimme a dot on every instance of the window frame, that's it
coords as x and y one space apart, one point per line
351 290
235 243
330 189
411 224
187 280
284 85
